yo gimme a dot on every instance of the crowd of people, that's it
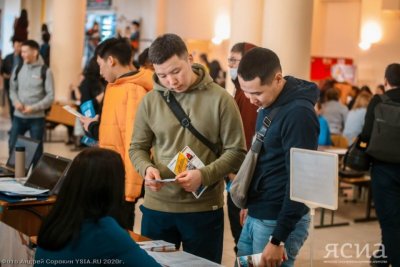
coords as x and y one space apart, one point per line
139 133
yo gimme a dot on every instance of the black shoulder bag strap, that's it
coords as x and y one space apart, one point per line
184 120
260 134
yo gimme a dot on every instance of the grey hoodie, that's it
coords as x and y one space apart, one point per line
28 89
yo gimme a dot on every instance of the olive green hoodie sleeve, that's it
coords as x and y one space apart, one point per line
142 140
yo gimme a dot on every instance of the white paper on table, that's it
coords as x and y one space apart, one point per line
180 258
12 187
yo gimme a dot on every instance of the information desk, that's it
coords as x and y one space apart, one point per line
25 216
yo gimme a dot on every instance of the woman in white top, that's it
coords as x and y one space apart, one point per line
355 118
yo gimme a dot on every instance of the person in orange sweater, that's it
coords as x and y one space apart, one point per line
126 87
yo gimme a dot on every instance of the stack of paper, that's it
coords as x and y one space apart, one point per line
157 245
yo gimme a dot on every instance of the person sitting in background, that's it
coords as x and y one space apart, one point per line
355 118
324 138
86 220
334 111
352 96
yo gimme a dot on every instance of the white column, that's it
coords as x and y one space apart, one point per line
246 21
287 31
246 26
67 42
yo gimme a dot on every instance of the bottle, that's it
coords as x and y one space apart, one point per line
19 161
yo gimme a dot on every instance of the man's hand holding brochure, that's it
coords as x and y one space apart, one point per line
185 165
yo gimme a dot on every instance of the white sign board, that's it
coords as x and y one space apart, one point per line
314 178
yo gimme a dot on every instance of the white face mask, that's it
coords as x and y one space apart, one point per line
233 73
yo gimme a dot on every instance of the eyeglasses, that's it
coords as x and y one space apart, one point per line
232 60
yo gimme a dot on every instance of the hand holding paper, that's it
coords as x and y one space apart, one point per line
190 180
153 174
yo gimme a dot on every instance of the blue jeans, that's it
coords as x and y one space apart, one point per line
255 236
201 233
36 128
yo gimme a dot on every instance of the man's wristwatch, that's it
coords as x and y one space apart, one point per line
275 241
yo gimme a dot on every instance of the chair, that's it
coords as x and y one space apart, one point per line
339 141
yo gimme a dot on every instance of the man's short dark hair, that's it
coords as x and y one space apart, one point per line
32 44
392 74
259 62
242 48
118 48
165 47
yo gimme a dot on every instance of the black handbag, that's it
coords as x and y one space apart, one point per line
356 157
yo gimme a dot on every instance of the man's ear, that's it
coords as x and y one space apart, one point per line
385 83
190 58
111 61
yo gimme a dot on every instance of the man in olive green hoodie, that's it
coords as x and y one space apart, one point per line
170 210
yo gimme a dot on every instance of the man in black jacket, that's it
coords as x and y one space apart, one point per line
274 223
10 62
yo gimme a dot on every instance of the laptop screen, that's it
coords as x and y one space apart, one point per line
48 172
31 147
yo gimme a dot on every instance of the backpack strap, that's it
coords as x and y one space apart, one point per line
260 134
184 120
18 69
43 73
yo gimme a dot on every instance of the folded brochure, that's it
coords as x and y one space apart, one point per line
187 160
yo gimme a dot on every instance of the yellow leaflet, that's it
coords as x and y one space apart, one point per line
181 163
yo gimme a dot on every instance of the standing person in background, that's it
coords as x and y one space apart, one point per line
248 113
274 222
21 26
385 175
126 88
31 92
10 62
135 36
170 211
45 47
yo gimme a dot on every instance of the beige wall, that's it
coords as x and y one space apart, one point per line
336 33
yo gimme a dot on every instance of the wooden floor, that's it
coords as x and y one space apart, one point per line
336 246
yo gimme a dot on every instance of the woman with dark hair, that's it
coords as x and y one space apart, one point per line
21 26
85 223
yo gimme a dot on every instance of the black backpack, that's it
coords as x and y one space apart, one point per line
43 72
384 144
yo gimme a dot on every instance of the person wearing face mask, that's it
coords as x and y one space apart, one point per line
248 113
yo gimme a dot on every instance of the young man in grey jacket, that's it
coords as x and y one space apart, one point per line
31 93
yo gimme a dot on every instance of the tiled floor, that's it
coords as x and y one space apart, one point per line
336 246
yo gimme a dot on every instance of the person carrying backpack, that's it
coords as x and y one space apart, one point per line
31 93
381 138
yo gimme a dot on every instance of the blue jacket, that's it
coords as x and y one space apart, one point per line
102 243
295 125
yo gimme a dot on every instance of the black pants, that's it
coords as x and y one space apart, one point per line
234 220
386 193
201 233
